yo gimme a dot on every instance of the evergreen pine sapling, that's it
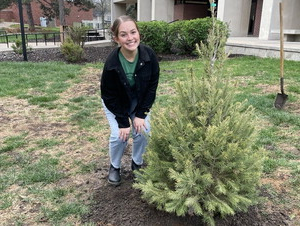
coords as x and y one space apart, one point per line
201 158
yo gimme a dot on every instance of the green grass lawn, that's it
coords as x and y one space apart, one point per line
53 134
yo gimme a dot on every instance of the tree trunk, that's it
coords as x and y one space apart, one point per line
103 21
29 15
62 19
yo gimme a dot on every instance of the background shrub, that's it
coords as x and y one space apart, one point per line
72 52
156 35
18 47
178 37
77 34
185 34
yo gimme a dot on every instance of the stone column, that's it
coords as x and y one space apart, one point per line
291 9
269 26
144 9
237 14
163 10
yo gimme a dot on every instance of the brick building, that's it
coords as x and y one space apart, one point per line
11 14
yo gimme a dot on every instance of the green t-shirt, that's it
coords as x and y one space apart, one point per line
129 68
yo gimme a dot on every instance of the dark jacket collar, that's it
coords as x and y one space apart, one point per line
113 62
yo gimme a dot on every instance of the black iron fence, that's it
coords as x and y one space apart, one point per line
49 37
2 32
32 38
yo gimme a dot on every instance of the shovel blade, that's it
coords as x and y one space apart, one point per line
280 100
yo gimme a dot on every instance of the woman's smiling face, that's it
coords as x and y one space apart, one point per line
128 36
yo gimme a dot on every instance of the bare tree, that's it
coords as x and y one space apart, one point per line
61 8
62 19
27 4
101 9
50 8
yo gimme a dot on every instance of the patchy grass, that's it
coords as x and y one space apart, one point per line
47 154
54 135
12 142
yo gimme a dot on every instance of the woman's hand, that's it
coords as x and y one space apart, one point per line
139 124
124 133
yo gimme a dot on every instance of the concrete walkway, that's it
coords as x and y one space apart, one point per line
262 48
7 24
235 45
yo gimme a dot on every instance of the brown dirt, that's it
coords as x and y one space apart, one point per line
123 205
111 206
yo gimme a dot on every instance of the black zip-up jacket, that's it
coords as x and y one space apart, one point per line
115 89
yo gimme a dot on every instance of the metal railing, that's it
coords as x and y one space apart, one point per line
2 32
32 38
48 37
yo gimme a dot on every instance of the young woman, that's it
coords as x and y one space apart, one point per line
128 89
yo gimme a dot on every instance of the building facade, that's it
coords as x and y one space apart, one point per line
257 18
11 14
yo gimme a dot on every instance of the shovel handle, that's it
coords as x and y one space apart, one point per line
281 85
281 41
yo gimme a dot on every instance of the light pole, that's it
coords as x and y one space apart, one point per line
22 30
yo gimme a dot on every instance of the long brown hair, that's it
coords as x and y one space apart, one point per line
118 21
